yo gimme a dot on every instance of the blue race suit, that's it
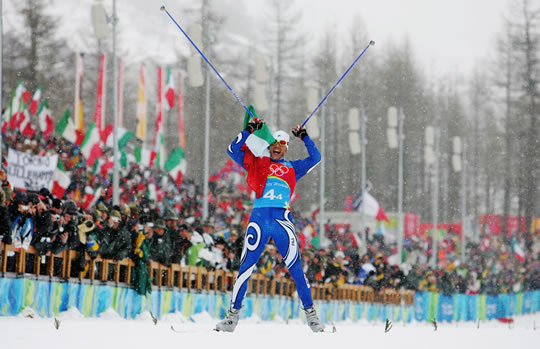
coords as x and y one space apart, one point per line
271 218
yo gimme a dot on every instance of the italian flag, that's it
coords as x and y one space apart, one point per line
259 141
14 103
25 124
518 251
66 128
26 96
176 165
124 136
35 101
105 166
91 146
156 157
61 180
45 119
181 113
10 115
142 156
99 114
169 90
91 197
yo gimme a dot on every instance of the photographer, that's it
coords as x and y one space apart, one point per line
44 234
68 235
5 222
22 227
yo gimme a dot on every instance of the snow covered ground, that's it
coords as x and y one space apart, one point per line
111 331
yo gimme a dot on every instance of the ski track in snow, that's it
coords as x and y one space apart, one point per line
111 331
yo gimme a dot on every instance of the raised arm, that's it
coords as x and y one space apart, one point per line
235 148
304 166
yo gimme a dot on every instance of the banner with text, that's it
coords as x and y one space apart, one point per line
30 172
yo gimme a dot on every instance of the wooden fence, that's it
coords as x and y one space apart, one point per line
187 277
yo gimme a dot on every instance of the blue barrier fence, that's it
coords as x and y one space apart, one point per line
48 298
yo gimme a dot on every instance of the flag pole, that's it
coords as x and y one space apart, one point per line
116 194
322 180
371 43
207 61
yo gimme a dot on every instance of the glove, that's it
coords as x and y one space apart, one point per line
254 125
299 132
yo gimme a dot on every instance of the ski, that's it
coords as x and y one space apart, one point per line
332 330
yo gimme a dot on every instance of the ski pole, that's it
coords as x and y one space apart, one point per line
207 61
371 43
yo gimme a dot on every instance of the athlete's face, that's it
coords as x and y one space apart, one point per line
278 150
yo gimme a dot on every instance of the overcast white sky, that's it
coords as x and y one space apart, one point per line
446 35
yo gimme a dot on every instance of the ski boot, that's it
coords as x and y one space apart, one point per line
313 320
229 323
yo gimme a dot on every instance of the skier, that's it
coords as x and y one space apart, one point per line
273 179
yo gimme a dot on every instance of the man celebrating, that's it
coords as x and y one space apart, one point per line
273 179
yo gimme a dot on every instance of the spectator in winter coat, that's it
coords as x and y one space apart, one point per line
196 243
315 271
365 268
115 240
412 281
446 284
180 244
160 244
473 284
5 222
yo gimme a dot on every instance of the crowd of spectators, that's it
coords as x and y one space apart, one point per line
161 221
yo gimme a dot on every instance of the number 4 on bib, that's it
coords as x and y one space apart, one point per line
270 195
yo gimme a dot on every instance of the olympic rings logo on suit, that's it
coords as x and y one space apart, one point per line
278 169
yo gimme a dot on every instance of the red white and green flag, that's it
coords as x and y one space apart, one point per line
124 136
26 96
91 146
518 250
61 180
99 114
105 166
176 165
169 90
45 120
259 141
142 156
13 108
157 153
91 197
181 113
25 124
66 128
35 101
9 118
